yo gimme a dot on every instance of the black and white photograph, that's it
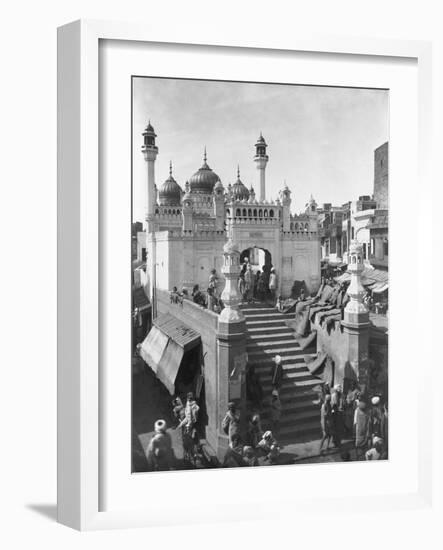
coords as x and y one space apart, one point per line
260 274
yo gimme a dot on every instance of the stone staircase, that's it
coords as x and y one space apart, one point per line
268 336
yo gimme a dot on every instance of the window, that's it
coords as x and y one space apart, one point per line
385 247
271 213
244 212
352 233
237 212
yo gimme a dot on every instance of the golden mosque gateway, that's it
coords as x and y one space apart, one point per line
186 229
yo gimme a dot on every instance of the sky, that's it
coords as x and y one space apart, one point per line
321 140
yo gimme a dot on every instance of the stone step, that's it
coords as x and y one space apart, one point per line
289 377
260 352
271 336
274 328
294 433
261 359
265 322
292 406
247 309
268 317
293 387
285 345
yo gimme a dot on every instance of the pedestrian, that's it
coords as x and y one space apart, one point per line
160 455
275 412
326 422
254 391
213 282
375 418
337 415
269 446
273 284
255 432
261 287
189 427
234 454
277 373
178 409
256 284
242 286
349 407
210 299
361 425
231 422
249 457
249 284
385 427
376 451
197 296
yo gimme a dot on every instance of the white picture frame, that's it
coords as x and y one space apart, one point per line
80 395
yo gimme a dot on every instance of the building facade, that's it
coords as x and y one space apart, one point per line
188 227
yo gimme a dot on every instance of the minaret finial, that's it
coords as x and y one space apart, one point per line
170 168
204 155
238 171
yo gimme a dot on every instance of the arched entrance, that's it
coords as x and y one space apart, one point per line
260 260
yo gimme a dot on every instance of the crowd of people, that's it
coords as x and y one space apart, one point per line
354 417
349 420
210 299
259 285
252 286
354 424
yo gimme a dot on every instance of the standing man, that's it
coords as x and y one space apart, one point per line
361 423
231 423
159 453
249 283
275 412
273 285
277 373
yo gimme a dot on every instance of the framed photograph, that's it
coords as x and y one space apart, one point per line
232 320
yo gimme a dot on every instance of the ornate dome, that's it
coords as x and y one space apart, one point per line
170 192
239 189
204 179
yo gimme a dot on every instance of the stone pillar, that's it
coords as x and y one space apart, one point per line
231 345
356 320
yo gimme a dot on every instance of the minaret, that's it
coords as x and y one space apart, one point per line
219 206
261 160
285 198
150 152
356 318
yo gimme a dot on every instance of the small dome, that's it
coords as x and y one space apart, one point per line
239 190
261 141
170 192
204 180
149 129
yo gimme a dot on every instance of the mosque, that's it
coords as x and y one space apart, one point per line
188 227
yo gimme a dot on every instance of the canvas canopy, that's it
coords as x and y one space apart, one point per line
164 347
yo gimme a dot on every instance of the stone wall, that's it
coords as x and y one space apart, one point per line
334 342
206 324
381 171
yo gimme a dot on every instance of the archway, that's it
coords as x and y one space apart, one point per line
260 260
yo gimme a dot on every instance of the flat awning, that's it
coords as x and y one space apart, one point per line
164 347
